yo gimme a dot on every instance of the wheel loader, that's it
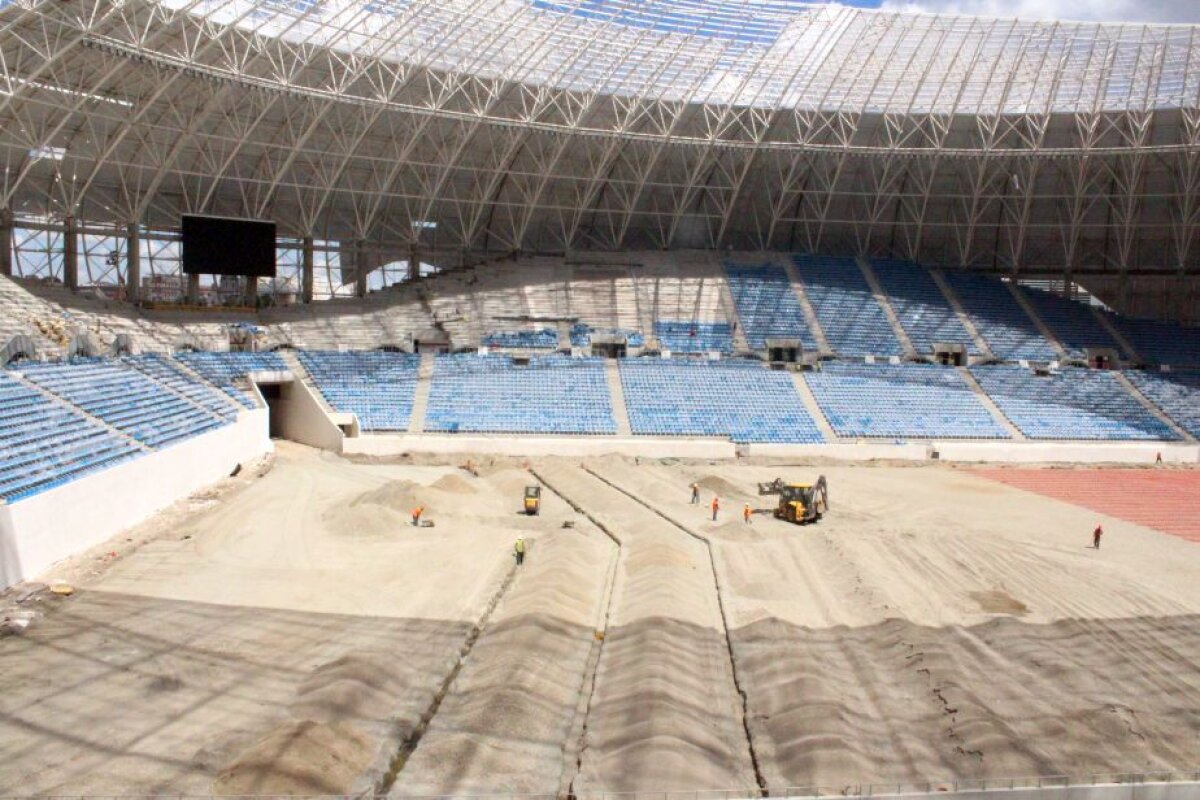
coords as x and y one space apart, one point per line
799 503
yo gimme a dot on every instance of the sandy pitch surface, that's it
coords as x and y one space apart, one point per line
296 634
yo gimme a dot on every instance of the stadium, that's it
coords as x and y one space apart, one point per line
582 398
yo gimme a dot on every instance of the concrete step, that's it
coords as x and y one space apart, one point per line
881 297
991 406
616 391
1125 345
416 421
1149 405
810 313
981 344
814 409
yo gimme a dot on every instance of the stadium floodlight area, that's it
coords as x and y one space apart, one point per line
493 394
901 401
767 305
377 386
1073 404
854 322
738 399
923 310
47 444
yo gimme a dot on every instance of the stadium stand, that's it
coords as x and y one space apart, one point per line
1071 404
581 335
377 386
999 318
1072 322
46 444
922 309
901 400
1176 393
694 337
166 372
225 369
852 318
739 399
544 339
492 394
767 305
1161 342
124 398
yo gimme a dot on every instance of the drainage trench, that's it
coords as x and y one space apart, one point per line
409 744
712 561
588 684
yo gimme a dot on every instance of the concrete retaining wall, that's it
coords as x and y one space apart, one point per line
302 418
1068 452
38 531
866 451
389 444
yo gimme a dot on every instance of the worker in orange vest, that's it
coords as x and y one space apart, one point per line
416 515
716 506
746 512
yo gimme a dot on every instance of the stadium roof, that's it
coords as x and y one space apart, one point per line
484 126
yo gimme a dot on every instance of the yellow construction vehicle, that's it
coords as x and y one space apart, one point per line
798 502
533 500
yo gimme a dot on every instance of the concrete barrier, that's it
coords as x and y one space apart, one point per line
39 531
645 447
865 451
1068 452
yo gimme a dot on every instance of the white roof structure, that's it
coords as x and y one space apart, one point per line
470 128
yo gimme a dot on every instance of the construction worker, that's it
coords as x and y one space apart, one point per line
746 512
519 550
1096 534
695 494
416 515
716 506
1158 458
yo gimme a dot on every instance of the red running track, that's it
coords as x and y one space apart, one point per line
1166 500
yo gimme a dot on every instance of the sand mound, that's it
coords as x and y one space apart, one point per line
720 486
453 484
299 757
356 685
363 521
400 496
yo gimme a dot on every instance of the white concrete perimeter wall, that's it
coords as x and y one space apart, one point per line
387 444
919 451
39 531
1072 452
1127 791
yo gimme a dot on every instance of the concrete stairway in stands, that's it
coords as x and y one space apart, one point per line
58 401
910 351
991 406
1038 322
617 392
981 344
814 408
1149 405
416 420
1127 347
810 313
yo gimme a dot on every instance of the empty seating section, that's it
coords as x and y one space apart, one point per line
492 394
581 335
44 444
694 337
901 400
168 373
124 398
999 318
1177 393
1072 322
741 400
544 339
1161 342
1073 404
767 305
377 386
922 309
224 369
853 321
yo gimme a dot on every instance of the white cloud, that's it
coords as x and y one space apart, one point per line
1181 11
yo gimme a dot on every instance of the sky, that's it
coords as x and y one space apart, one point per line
1185 11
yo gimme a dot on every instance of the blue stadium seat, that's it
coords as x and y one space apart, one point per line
223 369
738 399
44 444
767 305
694 337
167 372
999 318
1073 404
924 312
126 399
1072 322
544 339
854 322
1176 393
901 400
1161 342
491 394
377 386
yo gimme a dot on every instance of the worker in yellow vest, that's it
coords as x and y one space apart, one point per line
519 549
